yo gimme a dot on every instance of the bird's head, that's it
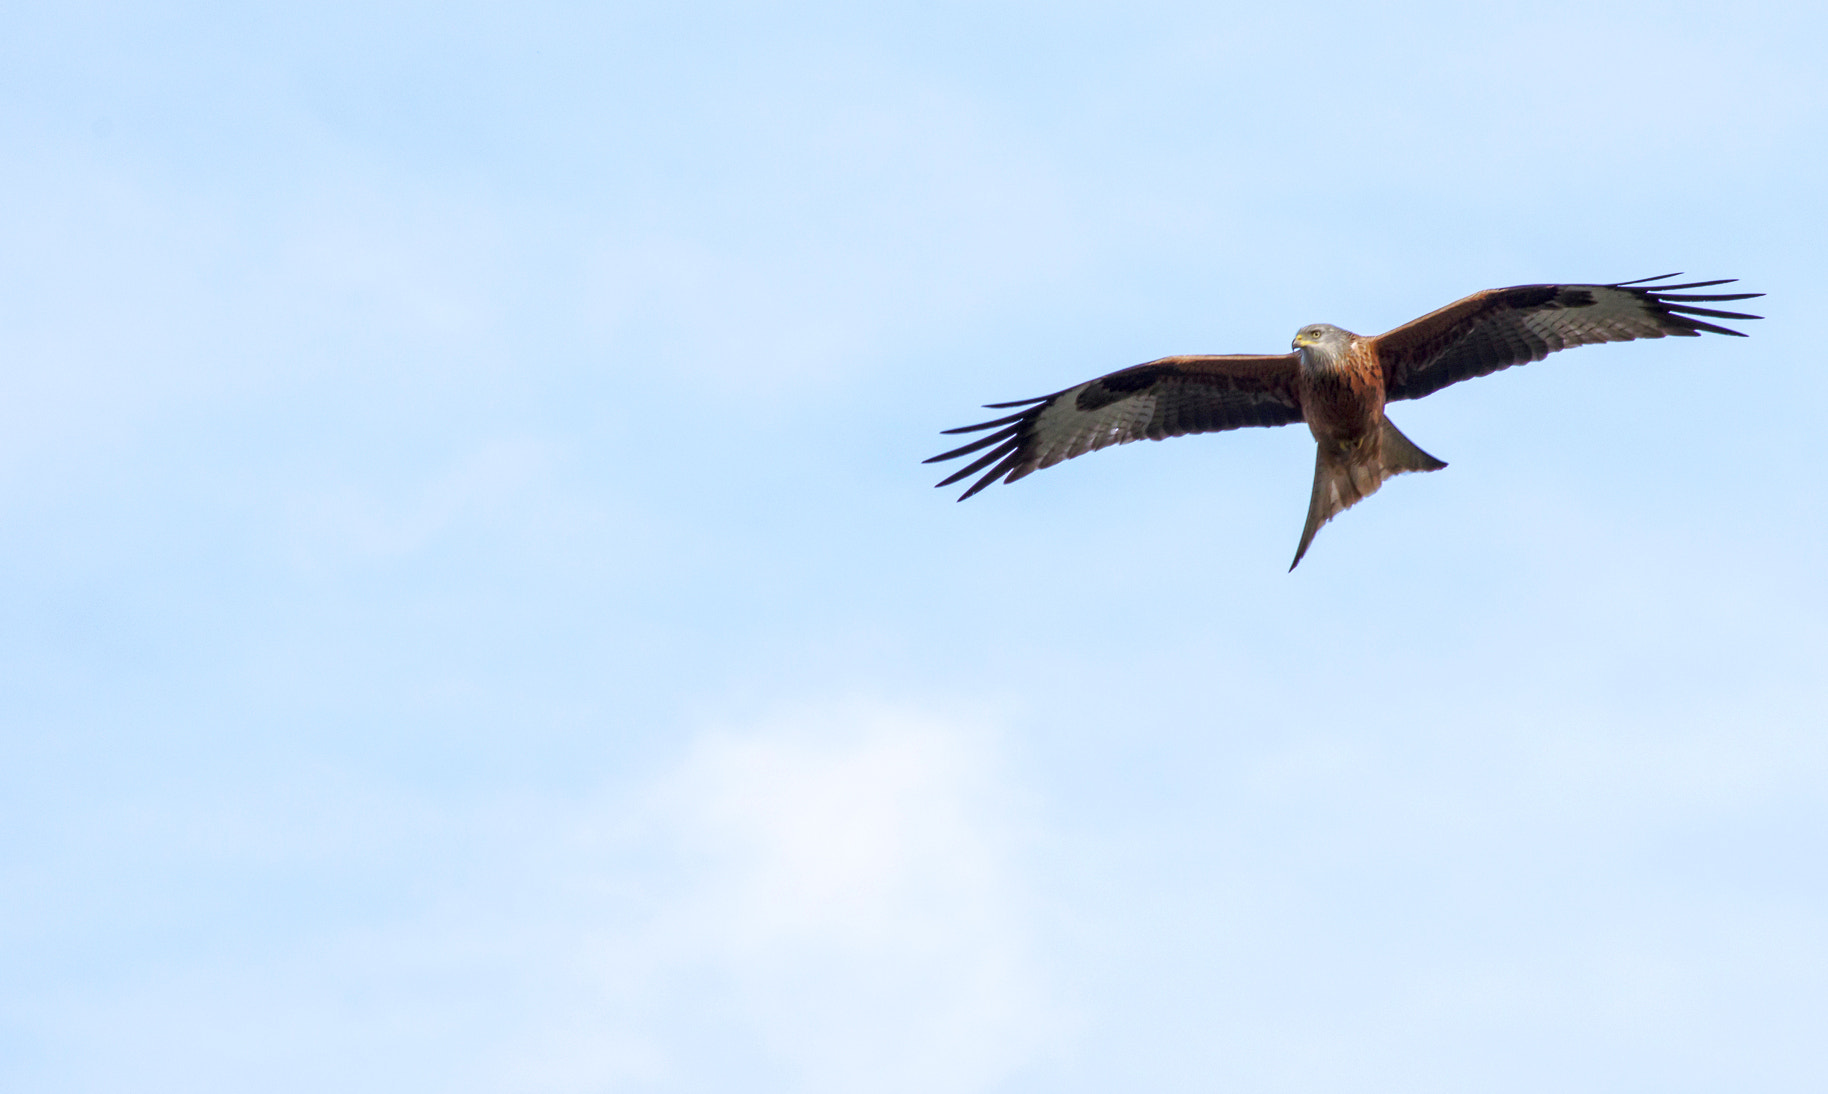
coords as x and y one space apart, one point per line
1320 334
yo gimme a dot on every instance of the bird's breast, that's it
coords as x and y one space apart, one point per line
1343 401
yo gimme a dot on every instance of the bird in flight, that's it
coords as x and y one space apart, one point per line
1335 381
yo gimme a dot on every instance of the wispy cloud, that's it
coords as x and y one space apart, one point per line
848 884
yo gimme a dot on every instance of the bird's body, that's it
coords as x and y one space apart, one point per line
1341 386
1335 381
1339 382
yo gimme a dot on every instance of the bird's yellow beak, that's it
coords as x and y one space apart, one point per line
1301 340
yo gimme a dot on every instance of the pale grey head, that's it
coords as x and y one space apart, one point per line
1321 345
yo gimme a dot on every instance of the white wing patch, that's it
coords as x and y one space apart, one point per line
1614 316
1063 430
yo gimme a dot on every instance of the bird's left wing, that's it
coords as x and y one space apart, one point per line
1165 398
1499 328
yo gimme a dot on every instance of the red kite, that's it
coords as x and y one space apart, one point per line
1335 381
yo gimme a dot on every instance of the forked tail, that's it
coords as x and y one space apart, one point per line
1345 474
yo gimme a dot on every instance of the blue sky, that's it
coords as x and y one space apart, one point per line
472 617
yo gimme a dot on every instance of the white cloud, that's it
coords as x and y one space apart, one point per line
844 890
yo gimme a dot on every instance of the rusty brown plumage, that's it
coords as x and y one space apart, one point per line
1335 381
1341 382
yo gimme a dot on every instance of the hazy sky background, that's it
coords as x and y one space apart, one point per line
472 617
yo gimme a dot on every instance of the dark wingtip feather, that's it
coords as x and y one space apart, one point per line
993 475
981 442
1696 326
982 462
1682 309
1709 312
984 425
1661 289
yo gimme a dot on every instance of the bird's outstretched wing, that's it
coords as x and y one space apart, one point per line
1165 398
1499 328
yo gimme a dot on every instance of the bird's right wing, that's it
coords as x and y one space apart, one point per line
1498 328
1160 399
